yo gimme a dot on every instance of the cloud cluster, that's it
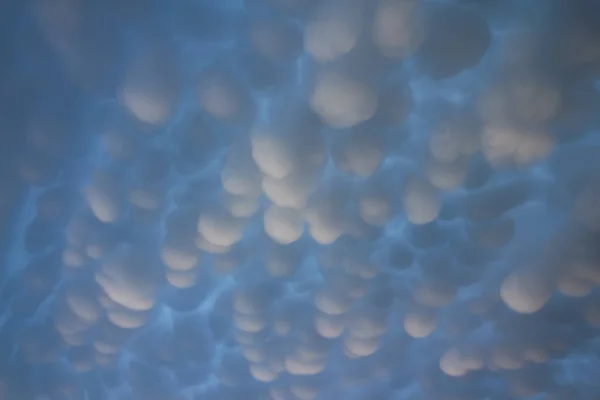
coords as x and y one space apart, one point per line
300 200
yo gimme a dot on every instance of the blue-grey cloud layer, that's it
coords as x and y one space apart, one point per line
299 199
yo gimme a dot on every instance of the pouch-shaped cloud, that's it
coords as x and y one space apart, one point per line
284 225
151 87
360 152
521 99
131 279
399 27
223 96
420 323
342 101
240 175
525 291
494 234
421 202
334 30
271 154
104 196
220 228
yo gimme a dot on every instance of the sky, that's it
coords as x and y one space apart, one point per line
299 199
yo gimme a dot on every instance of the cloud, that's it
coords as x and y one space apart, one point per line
299 200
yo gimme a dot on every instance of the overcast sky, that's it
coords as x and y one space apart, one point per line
299 199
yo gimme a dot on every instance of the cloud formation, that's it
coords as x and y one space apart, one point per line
299 199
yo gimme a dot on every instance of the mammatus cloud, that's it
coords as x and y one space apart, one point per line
299 200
